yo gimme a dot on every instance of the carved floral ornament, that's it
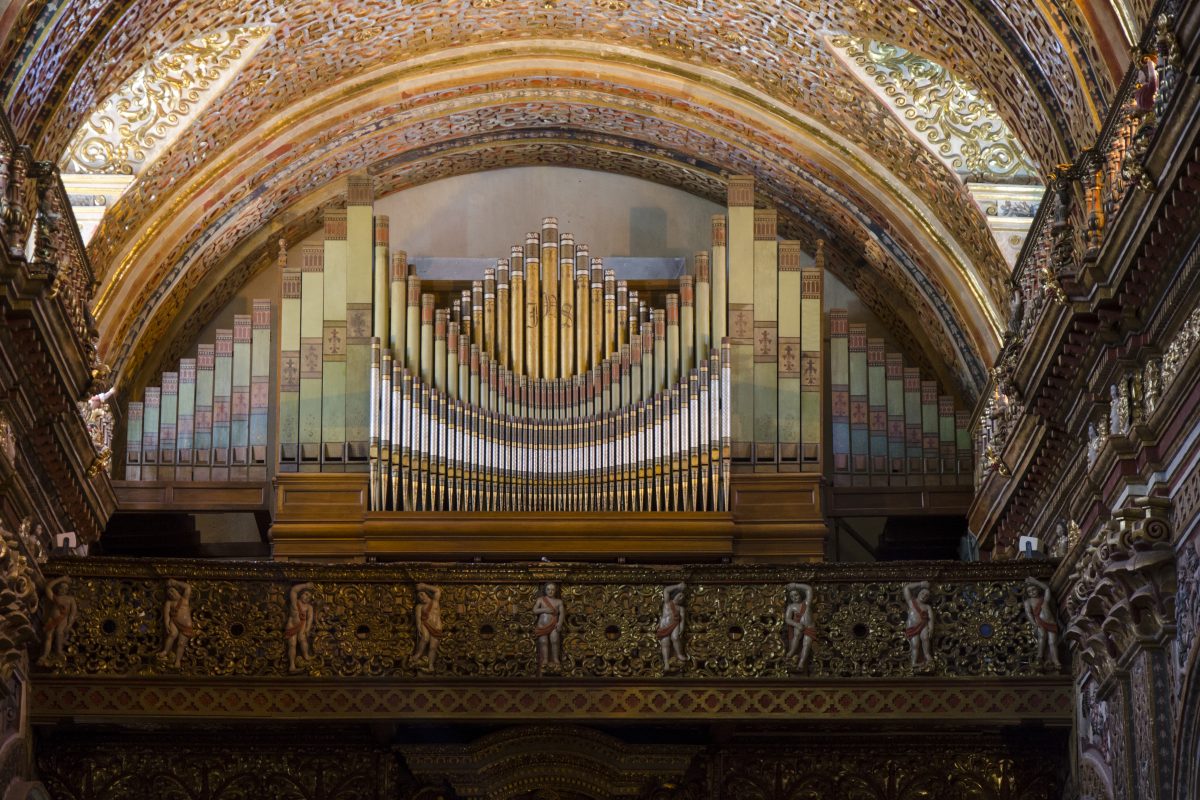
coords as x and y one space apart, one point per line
137 122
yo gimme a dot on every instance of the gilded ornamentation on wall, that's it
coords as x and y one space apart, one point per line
612 622
200 766
18 590
539 762
909 767
134 124
952 115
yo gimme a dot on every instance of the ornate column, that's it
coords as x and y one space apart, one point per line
1120 607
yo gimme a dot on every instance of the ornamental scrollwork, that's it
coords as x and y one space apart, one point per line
152 107
1122 588
959 123
18 604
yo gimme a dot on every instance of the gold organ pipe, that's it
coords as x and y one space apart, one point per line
440 324
659 317
489 312
622 313
610 312
382 282
464 368
550 322
703 309
502 311
478 323
672 339
687 324
516 264
717 268
566 305
533 307
583 315
452 360
647 336
474 380
398 312
635 366
597 311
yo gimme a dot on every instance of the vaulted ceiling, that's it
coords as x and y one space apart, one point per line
684 92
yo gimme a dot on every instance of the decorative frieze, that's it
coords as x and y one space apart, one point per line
576 621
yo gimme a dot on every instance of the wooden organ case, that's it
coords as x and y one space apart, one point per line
550 407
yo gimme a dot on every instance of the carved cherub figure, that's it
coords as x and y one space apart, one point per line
798 627
427 615
61 613
672 623
549 614
1039 610
919 623
177 620
301 619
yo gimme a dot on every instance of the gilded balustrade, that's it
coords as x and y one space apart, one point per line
1077 215
37 226
192 619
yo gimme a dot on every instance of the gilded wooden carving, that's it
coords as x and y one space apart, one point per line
493 622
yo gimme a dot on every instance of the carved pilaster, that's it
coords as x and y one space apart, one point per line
1121 612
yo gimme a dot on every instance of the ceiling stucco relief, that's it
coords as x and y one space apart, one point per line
942 193
958 123
773 45
136 123
898 211
477 115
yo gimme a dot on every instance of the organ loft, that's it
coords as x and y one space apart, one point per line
589 399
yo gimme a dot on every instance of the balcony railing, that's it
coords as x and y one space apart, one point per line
1082 205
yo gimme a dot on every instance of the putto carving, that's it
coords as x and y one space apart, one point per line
1039 610
1152 385
427 619
301 619
918 626
62 611
8 438
178 628
549 616
672 626
849 623
798 630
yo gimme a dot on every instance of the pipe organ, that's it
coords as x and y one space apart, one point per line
207 420
550 383
889 426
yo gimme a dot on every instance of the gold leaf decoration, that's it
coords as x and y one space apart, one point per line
152 107
949 113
